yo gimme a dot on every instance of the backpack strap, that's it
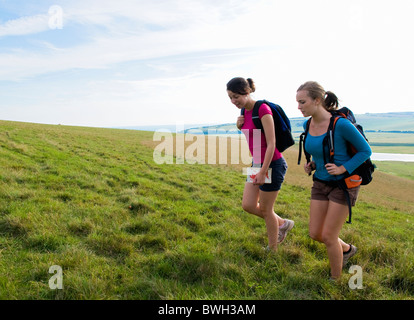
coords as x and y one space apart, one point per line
342 185
255 114
329 141
302 140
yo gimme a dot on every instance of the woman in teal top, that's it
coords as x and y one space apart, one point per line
329 208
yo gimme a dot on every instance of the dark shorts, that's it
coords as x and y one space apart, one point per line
279 168
323 192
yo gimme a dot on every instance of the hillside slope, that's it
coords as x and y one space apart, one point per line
93 202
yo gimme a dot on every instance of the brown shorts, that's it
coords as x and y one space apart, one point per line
321 191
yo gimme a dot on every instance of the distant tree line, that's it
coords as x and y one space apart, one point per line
391 131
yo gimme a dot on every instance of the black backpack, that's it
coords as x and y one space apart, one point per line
284 138
364 171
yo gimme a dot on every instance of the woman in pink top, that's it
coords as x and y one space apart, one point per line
259 198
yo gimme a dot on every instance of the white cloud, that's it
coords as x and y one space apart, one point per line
25 25
132 32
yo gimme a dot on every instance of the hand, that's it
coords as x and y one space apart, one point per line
240 122
334 170
259 179
309 167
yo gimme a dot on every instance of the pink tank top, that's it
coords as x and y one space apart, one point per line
256 138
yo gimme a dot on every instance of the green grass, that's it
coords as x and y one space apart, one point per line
397 168
122 227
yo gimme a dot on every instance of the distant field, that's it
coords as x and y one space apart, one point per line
400 121
391 142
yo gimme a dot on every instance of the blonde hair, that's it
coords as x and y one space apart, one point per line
316 91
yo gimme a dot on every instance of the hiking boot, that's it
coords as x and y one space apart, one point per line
287 226
349 254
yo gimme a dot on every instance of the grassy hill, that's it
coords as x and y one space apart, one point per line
122 227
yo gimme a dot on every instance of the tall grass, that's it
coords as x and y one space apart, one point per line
122 227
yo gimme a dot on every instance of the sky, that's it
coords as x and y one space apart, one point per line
102 63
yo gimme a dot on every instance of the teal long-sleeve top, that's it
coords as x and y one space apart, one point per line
344 132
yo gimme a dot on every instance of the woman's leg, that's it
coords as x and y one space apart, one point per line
325 223
267 201
261 204
251 199
251 202
335 218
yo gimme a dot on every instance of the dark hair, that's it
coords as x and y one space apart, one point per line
315 90
241 86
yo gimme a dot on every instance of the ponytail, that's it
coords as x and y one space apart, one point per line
251 84
331 101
